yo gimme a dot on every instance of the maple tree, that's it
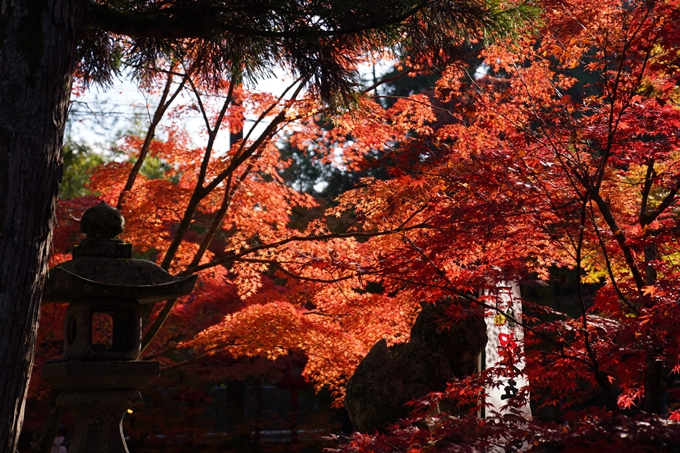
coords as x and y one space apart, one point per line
252 207
43 42
564 154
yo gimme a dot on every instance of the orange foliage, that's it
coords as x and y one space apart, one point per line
564 155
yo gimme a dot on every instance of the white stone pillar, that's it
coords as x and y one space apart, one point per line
504 334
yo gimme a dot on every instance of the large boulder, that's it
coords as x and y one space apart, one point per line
388 378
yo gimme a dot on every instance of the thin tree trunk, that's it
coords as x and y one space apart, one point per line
37 53
653 400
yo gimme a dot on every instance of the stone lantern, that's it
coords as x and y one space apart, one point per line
99 375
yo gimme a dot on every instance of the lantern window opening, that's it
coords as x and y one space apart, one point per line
102 330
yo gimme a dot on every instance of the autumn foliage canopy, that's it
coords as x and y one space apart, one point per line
554 152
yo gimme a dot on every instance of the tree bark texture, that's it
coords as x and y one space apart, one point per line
37 53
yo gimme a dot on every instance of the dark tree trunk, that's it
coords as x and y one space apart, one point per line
653 399
37 53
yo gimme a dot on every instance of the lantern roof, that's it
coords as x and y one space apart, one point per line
102 266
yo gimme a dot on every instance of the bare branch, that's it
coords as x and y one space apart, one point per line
607 261
199 192
163 104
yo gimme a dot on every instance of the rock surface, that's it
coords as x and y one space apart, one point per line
388 378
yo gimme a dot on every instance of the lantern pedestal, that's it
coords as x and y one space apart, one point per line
99 394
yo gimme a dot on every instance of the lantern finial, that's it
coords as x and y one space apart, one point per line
102 222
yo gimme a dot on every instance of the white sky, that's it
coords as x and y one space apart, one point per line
98 116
